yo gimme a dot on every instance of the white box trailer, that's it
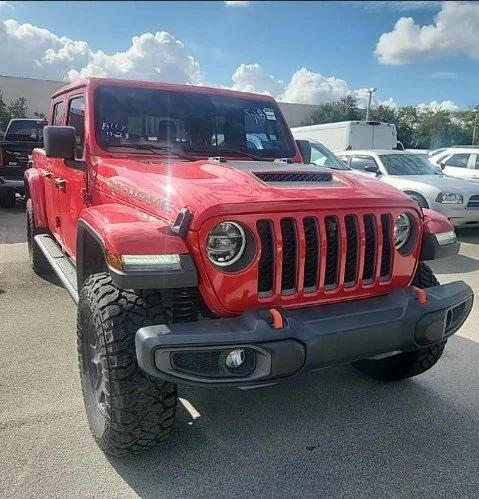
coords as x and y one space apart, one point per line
345 135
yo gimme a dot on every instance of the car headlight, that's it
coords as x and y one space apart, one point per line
402 230
449 198
226 243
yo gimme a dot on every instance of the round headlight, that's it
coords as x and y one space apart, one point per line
402 230
226 243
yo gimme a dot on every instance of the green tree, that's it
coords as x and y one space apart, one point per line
343 109
16 109
439 128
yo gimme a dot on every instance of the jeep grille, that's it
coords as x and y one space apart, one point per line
324 252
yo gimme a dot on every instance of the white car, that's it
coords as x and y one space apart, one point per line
458 161
455 198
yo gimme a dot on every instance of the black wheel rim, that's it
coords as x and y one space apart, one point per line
94 379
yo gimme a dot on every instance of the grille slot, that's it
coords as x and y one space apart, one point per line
290 255
293 177
332 252
386 255
370 249
197 362
473 202
311 262
351 264
266 261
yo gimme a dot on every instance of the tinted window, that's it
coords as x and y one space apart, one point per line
360 162
57 113
25 131
458 160
191 122
477 161
321 156
76 119
407 164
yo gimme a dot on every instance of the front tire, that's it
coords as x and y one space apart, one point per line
128 410
406 364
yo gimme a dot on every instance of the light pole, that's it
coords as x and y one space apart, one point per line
475 124
370 92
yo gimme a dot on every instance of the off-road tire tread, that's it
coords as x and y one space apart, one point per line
140 409
38 262
406 364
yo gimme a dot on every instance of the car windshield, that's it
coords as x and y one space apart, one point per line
322 156
191 122
25 131
407 164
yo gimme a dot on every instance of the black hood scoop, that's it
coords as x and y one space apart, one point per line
301 177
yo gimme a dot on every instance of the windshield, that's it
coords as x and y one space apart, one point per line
191 122
26 131
322 156
407 164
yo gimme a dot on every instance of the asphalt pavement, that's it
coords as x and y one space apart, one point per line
333 433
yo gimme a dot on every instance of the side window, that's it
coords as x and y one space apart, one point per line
76 119
57 113
344 159
360 162
458 160
477 161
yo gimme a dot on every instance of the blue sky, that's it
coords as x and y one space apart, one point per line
335 40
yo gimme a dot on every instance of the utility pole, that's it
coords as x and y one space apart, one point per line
370 92
475 125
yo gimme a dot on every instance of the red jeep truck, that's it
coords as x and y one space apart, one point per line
201 249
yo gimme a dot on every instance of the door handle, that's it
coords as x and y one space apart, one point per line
47 174
59 182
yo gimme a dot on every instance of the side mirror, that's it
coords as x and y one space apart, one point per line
371 169
59 142
442 164
304 147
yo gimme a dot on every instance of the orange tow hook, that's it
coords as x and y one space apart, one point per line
277 318
421 295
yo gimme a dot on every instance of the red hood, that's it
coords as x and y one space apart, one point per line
209 188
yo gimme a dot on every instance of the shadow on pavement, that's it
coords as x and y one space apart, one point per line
331 433
457 264
12 223
468 235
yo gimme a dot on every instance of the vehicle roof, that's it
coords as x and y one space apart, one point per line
27 119
340 123
457 149
86 82
376 151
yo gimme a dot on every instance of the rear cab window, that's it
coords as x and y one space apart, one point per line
25 131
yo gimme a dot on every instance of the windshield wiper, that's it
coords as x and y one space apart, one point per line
239 153
154 149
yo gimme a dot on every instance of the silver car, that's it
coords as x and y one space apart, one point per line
455 198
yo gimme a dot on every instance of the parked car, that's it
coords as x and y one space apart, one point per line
455 198
458 161
351 135
197 258
21 137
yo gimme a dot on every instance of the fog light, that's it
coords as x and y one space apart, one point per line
235 358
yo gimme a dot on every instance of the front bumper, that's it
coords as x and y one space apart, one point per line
459 215
311 338
12 183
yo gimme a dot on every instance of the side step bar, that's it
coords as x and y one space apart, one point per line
60 263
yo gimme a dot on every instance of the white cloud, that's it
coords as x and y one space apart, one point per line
158 56
454 31
308 87
445 105
252 78
3 3
237 3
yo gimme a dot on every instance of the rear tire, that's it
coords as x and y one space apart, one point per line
128 410
7 198
406 364
38 262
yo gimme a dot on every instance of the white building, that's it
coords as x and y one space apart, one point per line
38 92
